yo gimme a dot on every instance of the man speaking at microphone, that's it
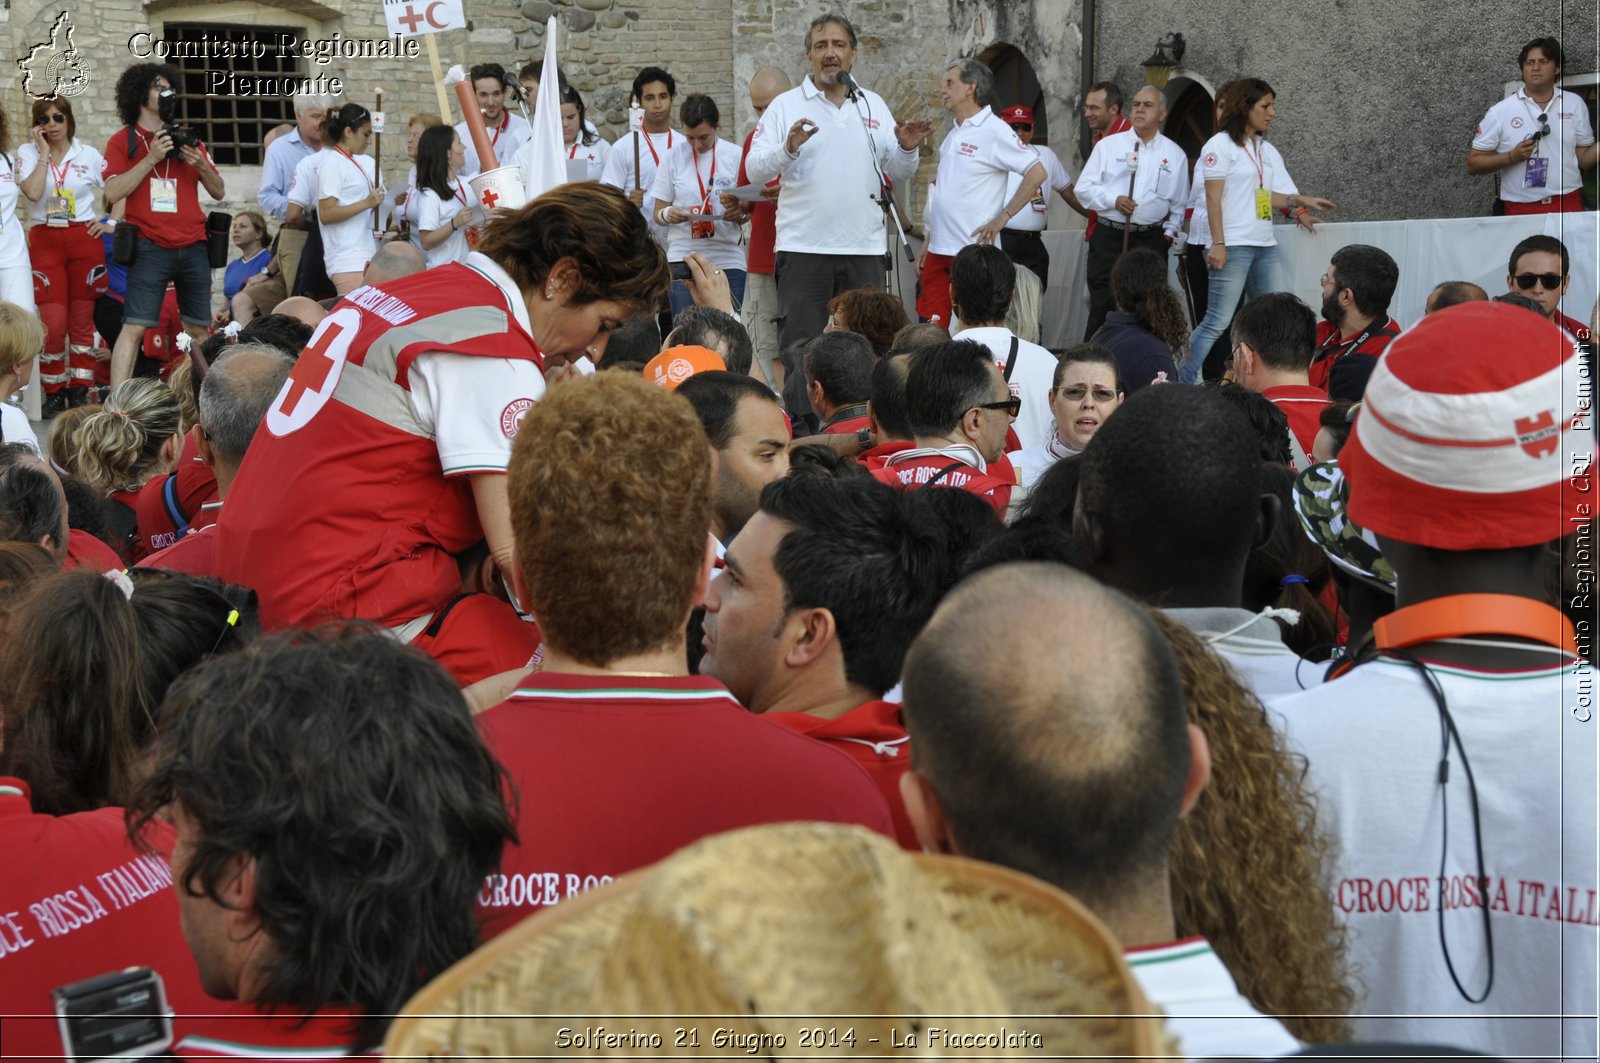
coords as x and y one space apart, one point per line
834 143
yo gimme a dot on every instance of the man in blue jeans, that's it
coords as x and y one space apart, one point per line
160 184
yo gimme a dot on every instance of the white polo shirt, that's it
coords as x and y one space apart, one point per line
1030 381
1514 119
1036 213
507 135
618 169
688 180
1223 160
80 175
974 159
1160 180
829 204
1199 223
593 155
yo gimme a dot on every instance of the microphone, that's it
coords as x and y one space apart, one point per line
843 77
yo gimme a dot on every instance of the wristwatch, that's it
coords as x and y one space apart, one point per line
864 438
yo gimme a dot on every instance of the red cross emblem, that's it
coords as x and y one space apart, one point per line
490 198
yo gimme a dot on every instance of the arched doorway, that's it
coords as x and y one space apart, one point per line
1191 116
1014 83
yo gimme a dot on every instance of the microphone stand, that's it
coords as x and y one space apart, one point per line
885 198
515 89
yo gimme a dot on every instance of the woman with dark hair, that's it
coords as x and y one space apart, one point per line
445 211
1086 390
61 175
1147 331
580 140
869 312
685 199
393 480
1245 181
348 189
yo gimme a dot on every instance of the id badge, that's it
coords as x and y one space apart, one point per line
164 195
701 230
1038 202
59 209
1263 205
1538 174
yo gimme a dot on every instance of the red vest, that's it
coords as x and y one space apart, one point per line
341 507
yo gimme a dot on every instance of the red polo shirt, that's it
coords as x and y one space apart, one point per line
759 254
78 900
913 470
873 459
85 551
874 736
615 772
180 228
1575 328
193 553
847 427
1341 367
1303 405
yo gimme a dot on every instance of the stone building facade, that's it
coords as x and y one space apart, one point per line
1377 102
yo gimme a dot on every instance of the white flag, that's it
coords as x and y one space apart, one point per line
542 159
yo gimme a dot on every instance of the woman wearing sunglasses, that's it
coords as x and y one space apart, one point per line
1086 390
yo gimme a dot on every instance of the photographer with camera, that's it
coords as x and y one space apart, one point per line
156 165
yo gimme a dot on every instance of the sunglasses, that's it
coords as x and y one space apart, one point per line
1012 406
56 117
1551 281
1026 127
1078 391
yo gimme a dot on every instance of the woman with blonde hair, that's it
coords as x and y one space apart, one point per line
119 447
1250 863
21 335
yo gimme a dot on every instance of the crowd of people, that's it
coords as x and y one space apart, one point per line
547 596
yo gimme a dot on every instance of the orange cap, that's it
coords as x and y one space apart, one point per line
676 364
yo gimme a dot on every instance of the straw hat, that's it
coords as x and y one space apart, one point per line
781 940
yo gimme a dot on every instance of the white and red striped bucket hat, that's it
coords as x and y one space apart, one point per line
1475 433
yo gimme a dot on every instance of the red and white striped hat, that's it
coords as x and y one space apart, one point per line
1472 434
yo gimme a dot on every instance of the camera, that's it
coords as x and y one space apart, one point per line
182 135
120 1015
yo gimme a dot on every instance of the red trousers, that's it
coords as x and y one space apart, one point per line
62 260
933 301
1553 205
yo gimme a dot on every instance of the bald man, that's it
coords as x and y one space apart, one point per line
395 259
302 308
760 290
1033 753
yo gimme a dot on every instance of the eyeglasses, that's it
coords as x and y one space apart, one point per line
1551 281
55 116
1076 393
1012 406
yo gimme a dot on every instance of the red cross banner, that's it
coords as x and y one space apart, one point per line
415 18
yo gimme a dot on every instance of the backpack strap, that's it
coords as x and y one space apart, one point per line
946 471
169 499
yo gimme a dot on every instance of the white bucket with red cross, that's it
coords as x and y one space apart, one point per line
499 188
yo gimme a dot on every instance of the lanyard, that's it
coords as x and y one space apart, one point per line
357 165
59 177
573 154
653 155
1259 162
1333 342
705 197
505 123
166 163
460 193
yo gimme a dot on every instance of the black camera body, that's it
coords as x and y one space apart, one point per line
182 136
120 1015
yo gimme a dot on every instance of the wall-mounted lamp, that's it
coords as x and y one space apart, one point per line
1169 54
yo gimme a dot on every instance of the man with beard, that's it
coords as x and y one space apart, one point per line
1356 327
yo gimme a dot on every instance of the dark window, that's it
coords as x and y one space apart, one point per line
233 126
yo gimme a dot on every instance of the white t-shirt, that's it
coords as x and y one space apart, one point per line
432 213
688 180
1514 119
506 135
303 185
593 154
1253 644
347 246
1223 160
16 283
974 160
618 169
80 175
1033 462
1205 1010
1372 739
1160 181
14 426
830 195
1036 213
1030 381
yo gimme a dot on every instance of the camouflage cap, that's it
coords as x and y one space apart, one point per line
1321 494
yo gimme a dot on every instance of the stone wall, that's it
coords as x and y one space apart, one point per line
1377 102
